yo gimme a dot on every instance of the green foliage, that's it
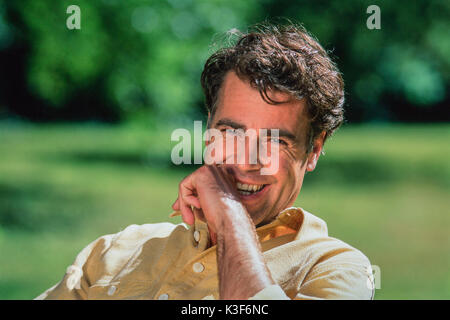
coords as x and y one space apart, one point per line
147 54
144 57
408 58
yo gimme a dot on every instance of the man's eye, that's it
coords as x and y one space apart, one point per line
277 140
231 131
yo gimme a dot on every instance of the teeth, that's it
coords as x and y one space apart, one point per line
248 188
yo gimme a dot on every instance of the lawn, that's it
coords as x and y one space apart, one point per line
381 188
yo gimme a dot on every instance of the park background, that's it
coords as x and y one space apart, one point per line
86 117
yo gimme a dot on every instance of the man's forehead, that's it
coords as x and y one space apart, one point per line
241 105
234 86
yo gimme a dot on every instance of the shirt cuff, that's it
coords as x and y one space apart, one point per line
273 292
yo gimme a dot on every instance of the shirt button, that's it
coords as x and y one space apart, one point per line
198 267
197 235
164 296
111 290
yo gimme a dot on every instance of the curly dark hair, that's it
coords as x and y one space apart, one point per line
283 58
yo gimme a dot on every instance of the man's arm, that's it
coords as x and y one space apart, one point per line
242 269
239 257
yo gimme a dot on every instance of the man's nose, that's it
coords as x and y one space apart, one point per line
248 157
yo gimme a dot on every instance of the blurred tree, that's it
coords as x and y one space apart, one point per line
130 58
142 59
400 72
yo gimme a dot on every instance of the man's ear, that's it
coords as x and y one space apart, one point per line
314 155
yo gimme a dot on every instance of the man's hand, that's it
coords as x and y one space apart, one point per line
211 192
207 190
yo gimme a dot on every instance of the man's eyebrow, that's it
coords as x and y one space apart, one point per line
287 134
233 124
230 123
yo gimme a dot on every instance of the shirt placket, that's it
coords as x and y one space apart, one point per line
195 270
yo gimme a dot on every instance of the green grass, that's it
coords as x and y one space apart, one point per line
383 189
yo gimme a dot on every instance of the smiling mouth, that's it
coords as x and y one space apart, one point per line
249 189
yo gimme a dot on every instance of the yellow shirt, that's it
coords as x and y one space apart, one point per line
168 261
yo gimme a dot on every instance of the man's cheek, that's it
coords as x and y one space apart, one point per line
270 160
289 175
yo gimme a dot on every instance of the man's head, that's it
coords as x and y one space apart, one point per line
275 78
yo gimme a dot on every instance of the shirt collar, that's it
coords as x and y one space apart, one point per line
288 221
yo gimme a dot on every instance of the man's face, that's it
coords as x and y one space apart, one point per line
241 107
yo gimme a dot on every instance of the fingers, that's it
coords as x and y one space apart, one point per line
224 178
176 205
191 200
199 215
187 214
208 179
187 198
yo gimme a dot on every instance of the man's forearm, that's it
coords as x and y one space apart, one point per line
242 269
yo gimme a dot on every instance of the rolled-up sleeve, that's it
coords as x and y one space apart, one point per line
74 285
347 276
273 292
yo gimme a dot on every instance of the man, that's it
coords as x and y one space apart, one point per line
244 240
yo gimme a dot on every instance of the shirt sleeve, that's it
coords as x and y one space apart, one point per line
74 285
347 276
104 256
273 292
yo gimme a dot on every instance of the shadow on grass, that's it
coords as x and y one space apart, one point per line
37 208
366 170
124 159
352 170
18 289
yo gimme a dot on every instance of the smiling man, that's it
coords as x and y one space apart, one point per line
243 238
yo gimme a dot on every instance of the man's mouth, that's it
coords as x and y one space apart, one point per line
249 189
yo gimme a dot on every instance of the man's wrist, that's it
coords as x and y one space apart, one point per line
239 255
232 216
